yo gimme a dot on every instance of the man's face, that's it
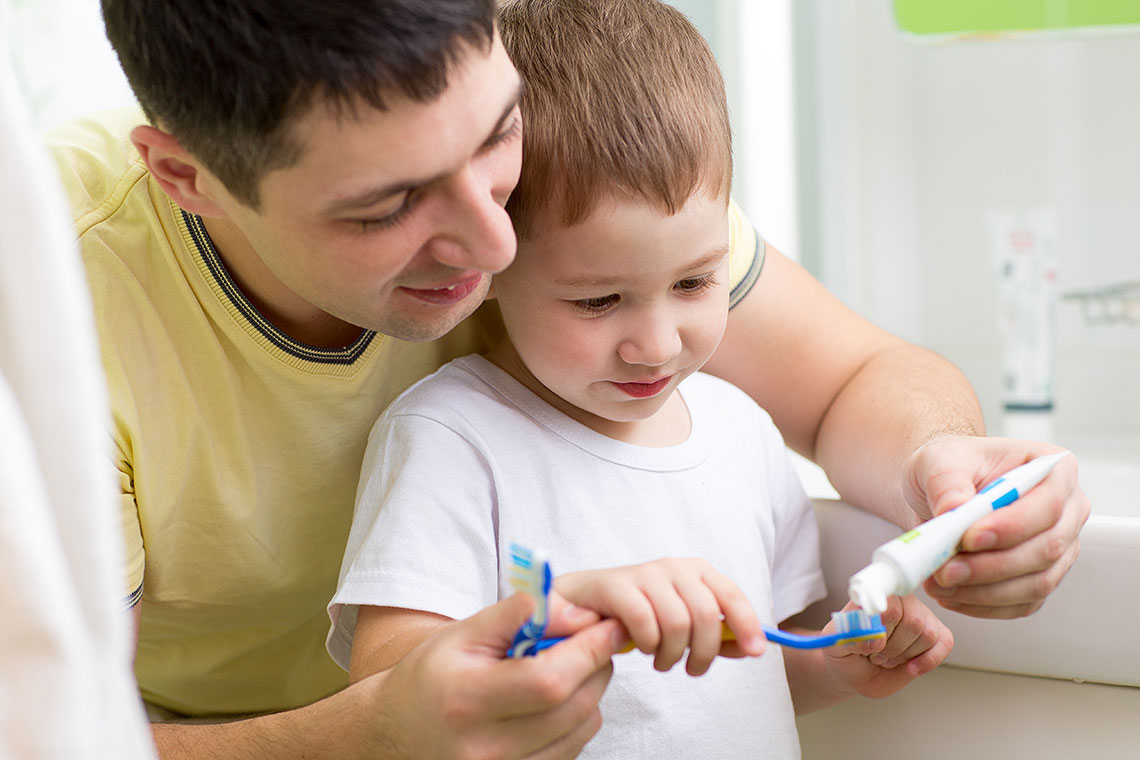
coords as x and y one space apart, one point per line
392 220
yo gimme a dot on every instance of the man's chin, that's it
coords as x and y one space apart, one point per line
423 330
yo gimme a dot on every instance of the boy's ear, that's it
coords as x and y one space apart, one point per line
175 170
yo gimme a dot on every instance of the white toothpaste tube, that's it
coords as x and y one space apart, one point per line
899 566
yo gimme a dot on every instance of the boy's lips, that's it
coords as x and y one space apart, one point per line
644 390
446 294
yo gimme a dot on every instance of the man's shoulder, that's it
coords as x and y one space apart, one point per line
98 165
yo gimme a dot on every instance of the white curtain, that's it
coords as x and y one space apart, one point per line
66 687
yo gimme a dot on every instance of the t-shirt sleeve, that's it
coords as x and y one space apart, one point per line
423 532
134 554
746 251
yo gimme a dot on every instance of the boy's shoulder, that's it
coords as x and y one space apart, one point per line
464 387
712 395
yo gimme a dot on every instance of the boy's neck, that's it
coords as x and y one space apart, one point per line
670 426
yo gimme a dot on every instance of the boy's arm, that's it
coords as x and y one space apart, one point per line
898 430
385 634
916 643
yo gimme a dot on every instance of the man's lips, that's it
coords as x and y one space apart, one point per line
644 390
446 294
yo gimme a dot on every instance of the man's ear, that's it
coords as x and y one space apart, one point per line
175 170
490 290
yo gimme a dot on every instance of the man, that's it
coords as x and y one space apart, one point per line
300 233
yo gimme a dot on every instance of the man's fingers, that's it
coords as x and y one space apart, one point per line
1056 502
567 617
568 745
1051 553
493 629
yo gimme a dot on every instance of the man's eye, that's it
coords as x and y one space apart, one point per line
389 220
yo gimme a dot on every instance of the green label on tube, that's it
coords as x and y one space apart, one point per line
965 17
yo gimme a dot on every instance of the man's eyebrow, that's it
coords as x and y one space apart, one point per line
372 196
714 255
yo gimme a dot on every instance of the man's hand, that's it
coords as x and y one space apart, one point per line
455 696
1013 559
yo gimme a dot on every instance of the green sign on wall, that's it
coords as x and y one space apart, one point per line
957 17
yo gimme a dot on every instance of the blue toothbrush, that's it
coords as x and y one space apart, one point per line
530 572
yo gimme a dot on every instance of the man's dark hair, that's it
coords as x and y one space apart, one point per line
226 76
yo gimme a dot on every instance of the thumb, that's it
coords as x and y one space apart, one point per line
942 481
949 493
495 627
567 617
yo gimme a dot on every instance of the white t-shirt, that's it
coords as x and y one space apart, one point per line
468 461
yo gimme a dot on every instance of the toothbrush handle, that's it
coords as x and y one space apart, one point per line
775 635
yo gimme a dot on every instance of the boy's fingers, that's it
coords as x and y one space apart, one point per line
739 616
706 634
674 622
624 599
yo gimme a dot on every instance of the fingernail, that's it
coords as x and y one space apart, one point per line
954 574
620 640
575 614
754 644
987 539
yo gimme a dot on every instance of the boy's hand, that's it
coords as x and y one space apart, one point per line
668 606
916 643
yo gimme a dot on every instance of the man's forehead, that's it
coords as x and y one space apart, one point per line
356 149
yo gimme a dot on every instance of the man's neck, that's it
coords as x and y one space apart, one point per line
280 306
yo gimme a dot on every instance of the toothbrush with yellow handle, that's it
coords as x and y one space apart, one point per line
534 577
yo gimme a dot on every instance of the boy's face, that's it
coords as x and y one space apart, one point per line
609 315
390 220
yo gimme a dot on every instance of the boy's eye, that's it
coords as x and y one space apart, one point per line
694 285
595 305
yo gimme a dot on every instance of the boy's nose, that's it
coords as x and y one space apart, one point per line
651 342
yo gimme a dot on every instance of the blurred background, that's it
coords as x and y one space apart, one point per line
909 153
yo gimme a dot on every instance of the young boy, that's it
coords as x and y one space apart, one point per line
588 430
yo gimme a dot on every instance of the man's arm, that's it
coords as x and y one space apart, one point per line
836 384
899 432
454 696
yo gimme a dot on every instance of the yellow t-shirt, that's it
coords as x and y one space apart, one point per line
238 448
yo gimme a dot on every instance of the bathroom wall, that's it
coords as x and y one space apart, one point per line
62 59
906 146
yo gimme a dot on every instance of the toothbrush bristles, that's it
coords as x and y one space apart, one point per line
859 624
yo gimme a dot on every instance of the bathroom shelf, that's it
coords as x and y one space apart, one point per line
1117 304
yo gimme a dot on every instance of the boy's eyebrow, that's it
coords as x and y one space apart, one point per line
373 196
714 255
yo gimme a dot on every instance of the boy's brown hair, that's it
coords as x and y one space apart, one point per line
621 97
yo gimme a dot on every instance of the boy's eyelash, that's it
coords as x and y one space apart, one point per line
690 286
596 305
694 285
